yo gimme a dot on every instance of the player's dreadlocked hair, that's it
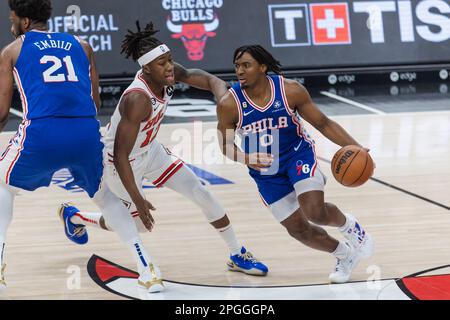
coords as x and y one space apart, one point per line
261 55
35 10
136 44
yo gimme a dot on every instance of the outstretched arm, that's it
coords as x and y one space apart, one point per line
201 80
6 86
300 100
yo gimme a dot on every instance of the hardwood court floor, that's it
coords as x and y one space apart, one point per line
411 150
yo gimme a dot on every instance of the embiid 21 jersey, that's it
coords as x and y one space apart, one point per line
52 73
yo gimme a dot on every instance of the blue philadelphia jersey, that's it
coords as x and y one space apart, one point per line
278 130
273 128
52 73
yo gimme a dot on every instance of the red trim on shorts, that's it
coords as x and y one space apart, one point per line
11 166
161 177
175 170
135 214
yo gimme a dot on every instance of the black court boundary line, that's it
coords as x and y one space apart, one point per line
415 195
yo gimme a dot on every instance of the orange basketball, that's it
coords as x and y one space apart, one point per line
352 166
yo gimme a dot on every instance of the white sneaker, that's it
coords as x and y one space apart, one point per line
359 239
344 267
151 280
2 278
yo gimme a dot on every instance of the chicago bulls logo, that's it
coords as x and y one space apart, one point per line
193 22
194 36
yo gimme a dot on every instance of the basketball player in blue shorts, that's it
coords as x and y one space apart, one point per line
266 112
58 84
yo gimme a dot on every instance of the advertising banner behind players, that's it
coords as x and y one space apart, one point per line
302 34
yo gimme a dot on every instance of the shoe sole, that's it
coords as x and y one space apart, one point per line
252 272
338 281
154 288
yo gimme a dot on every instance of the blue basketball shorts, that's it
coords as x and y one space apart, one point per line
297 173
43 146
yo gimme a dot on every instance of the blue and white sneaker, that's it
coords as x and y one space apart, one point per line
74 232
360 239
245 262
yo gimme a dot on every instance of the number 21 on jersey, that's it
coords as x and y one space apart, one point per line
51 75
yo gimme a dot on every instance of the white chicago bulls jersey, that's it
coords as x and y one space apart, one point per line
149 128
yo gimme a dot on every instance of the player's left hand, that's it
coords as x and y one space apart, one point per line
145 215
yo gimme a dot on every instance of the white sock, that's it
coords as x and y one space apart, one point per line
143 260
349 222
342 251
228 235
7 195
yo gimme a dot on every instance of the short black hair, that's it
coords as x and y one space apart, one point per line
261 55
35 10
136 44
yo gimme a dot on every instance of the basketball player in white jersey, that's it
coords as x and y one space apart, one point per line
132 153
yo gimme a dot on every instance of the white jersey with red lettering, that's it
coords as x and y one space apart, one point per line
149 128
149 159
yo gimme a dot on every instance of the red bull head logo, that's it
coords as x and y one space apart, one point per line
194 36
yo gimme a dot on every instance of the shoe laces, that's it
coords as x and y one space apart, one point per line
338 265
79 231
249 257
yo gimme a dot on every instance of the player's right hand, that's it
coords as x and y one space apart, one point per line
143 209
260 161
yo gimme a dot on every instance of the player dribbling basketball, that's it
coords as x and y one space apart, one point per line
266 112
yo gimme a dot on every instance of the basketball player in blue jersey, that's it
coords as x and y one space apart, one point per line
266 111
57 80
